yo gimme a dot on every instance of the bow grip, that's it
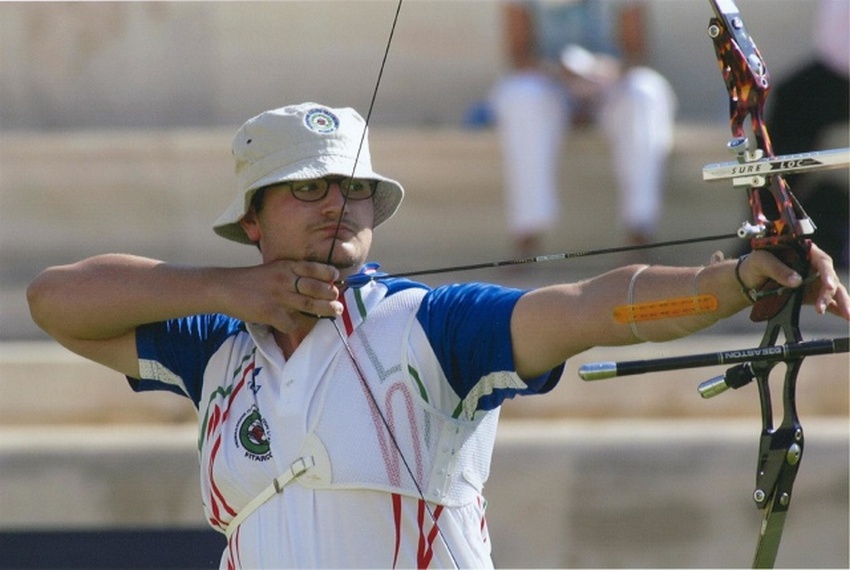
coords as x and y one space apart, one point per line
772 297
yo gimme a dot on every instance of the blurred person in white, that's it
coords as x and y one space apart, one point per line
577 62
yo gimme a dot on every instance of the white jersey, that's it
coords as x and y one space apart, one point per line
403 458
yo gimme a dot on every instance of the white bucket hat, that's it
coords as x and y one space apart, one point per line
300 142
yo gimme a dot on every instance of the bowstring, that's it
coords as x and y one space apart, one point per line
349 350
366 126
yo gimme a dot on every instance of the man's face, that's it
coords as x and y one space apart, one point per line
288 228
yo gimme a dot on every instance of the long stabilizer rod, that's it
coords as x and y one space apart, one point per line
782 352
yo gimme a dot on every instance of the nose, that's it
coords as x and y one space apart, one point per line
334 199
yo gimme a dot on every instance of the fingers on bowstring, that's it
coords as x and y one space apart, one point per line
317 297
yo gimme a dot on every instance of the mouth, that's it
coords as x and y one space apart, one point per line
341 231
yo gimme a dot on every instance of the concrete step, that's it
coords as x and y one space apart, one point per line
42 383
65 196
628 494
159 191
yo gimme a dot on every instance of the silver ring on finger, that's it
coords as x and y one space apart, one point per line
297 290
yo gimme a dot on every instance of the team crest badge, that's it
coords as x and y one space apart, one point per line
321 121
252 435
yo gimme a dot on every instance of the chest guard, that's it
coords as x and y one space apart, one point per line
449 457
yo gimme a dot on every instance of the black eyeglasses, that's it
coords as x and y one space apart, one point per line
316 189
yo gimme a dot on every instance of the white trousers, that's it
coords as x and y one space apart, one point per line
532 114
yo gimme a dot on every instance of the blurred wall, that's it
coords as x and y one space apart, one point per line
163 64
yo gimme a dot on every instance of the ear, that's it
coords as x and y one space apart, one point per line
250 225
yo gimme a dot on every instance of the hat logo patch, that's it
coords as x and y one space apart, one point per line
321 121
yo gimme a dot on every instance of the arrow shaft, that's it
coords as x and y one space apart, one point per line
557 256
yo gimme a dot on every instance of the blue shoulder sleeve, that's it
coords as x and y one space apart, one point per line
468 326
174 354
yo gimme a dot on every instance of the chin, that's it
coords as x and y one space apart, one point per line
342 257
346 263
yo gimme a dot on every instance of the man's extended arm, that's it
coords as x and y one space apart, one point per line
551 324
